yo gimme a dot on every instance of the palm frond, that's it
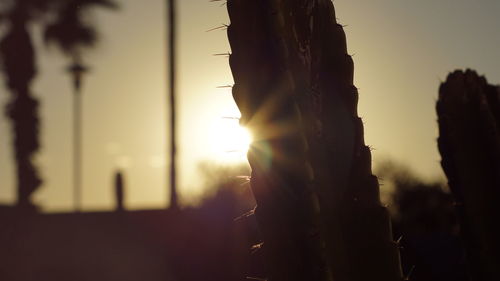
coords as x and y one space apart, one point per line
70 31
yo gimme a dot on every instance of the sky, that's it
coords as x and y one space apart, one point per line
401 50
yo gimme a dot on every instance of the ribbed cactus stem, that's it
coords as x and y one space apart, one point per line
468 111
287 210
357 229
294 88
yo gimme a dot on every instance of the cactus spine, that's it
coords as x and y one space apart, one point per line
468 111
294 88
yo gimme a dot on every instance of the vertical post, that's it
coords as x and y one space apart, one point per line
77 70
119 191
171 104
77 152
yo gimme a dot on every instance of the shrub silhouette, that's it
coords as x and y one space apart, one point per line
425 223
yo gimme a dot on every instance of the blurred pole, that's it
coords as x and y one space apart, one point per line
76 70
119 191
171 104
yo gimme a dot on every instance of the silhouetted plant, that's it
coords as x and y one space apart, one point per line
18 64
70 30
294 88
424 223
71 33
287 211
468 111
219 176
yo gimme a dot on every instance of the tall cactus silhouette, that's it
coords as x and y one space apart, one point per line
287 209
468 111
294 88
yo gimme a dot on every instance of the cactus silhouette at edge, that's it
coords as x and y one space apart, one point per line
294 88
357 228
469 142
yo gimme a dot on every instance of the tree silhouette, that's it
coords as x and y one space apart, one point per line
69 31
71 34
425 224
17 55
18 64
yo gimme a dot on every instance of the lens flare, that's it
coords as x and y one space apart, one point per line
229 141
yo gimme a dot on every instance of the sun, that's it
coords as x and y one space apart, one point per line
229 141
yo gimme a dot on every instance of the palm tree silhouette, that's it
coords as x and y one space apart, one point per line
18 64
17 58
71 34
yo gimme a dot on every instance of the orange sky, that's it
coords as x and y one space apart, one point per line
402 49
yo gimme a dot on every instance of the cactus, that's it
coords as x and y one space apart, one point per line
294 88
287 209
469 142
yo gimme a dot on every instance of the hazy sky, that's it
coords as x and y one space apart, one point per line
402 49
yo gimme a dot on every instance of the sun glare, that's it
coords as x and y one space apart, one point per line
229 141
